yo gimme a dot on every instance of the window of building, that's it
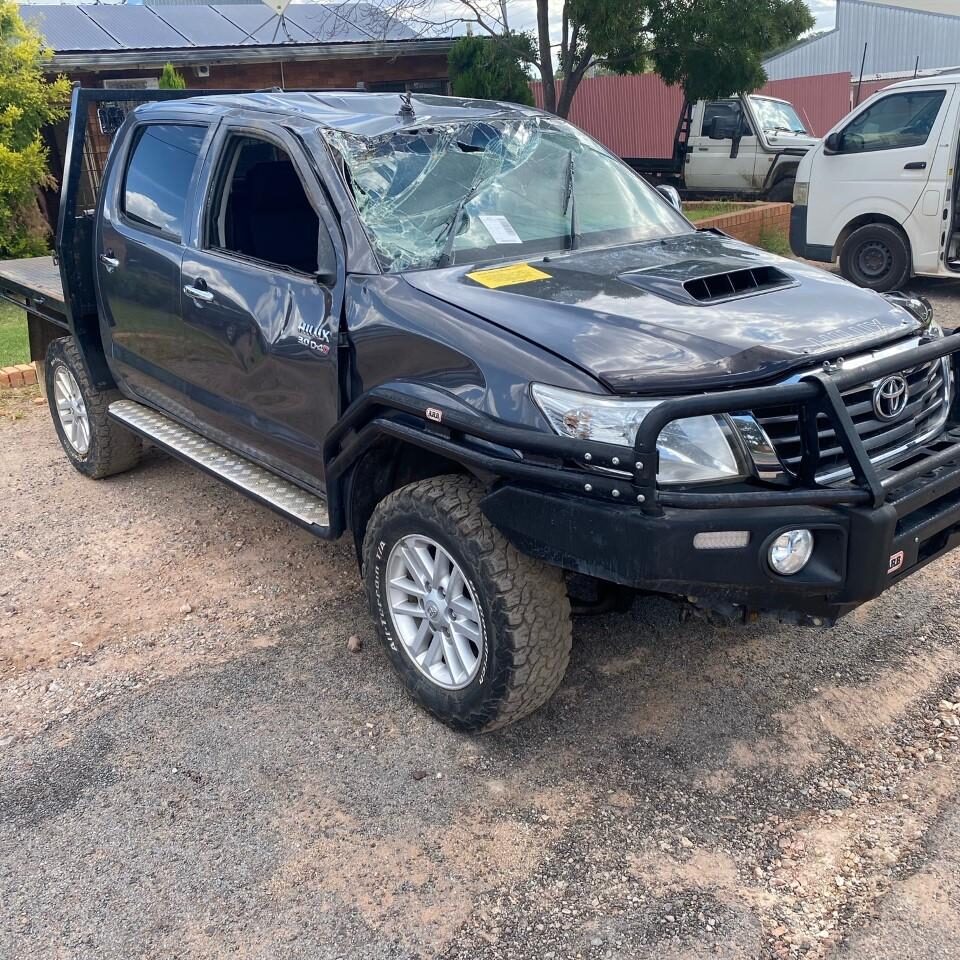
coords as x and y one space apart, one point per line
900 120
260 209
159 173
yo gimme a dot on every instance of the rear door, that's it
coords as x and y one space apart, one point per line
262 298
709 167
145 207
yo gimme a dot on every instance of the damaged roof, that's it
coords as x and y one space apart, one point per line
357 112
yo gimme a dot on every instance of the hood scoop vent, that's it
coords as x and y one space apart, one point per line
702 281
736 283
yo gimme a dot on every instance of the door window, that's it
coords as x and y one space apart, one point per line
260 209
159 173
900 120
729 112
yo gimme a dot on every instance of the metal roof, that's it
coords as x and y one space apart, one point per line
122 27
365 114
895 37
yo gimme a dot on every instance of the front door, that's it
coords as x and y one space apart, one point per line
709 167
879 162
139 247
261 301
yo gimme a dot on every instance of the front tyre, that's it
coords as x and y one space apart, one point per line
96 445
876 256
479 633
781 191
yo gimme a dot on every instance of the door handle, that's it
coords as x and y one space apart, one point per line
197 293
111 263
916 165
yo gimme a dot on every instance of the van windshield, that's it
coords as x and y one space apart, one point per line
464 191
776 116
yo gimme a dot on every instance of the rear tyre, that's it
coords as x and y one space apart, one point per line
877 257
96 445
781 192
479 633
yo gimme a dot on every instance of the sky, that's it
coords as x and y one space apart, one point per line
523 13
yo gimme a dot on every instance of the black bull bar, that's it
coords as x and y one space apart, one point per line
818 392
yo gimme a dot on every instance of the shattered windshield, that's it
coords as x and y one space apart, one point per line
460 192
775 116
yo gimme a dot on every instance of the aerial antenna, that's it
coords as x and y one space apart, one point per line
406 106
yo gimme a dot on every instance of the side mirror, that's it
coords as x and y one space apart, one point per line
724 128
833 143
671 195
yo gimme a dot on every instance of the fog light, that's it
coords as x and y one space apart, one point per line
721 539
791 552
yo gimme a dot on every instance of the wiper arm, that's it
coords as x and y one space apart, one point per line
446 255
570 204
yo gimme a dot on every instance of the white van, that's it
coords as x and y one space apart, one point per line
878 193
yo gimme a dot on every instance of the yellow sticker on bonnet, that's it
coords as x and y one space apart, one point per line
508 276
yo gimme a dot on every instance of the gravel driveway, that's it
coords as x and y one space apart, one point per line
192 764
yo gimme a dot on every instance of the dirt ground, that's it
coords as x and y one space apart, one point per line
192 765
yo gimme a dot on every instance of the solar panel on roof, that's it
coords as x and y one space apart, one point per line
261 24
67 28
135 27
345 22
202 25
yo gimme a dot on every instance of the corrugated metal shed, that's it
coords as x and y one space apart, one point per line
895 37
95 27
637 116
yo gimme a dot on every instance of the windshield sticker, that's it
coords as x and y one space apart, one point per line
500 229
508 276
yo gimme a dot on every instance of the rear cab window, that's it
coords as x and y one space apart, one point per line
160 170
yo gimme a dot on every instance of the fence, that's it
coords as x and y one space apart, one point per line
637 116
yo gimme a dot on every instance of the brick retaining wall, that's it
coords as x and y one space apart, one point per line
750 222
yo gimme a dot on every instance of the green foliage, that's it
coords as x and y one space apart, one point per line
27 104
489 68
715 48
170 79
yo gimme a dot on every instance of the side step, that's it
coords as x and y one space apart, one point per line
286 498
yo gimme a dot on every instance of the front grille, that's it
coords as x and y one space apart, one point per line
923 412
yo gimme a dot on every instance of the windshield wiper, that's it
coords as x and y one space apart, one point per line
570 203
446 256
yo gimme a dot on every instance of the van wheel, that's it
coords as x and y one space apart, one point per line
782 191
96 445
479 633
876 256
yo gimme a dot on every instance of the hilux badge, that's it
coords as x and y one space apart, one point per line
890 397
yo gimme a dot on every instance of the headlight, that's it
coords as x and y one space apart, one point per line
801 192
690 450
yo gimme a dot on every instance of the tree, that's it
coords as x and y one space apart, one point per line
490 68
170 79
27 104
713 48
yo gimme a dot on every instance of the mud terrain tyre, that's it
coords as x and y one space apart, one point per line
96 445
877 257
479 633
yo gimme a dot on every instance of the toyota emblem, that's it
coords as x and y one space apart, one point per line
890 397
